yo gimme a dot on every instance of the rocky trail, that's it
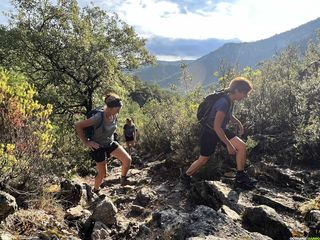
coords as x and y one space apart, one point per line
155 204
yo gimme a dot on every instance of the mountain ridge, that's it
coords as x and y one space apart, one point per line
184 48
244 53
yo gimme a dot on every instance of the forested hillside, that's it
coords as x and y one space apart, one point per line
57 62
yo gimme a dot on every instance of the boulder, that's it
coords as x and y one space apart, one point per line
70 193
281 205
8 205
172 222
205 221
144 196
214 194
230 213
313 217
105 212
100 231
265 220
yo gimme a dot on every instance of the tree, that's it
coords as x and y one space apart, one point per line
71 54
185 77
226 72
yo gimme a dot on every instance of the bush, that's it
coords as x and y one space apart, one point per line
171 128
27 134
307 133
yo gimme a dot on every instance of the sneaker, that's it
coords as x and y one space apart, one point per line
96 191
124 181
244 181
186 179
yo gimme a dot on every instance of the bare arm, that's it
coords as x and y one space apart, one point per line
80 126
218 120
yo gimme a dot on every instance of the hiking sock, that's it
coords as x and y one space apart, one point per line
240 172
96 191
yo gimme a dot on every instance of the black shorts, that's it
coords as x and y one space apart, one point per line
99 155
129 139
209 140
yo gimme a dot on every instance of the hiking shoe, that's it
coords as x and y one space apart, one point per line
124 181
244 181
96 191
186 179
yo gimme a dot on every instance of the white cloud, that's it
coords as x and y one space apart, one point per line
247 20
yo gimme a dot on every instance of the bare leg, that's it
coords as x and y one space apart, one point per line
101 168
196 165
125 159
241 152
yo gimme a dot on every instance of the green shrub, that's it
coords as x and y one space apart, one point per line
171 127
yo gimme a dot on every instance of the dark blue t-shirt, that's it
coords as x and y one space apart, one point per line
224 105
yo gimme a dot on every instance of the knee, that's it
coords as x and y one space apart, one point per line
242 147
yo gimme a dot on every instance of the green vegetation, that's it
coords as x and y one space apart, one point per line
71 54
62 59
27 134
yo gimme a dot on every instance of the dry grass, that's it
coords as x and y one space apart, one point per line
310 205
50 205
45 215
27 222
51 188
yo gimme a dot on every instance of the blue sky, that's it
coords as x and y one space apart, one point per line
247 20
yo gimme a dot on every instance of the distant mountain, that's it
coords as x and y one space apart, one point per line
244 54
163 73
184 48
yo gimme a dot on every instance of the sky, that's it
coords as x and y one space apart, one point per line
246 20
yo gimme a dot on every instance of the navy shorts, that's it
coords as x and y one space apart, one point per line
209 140
99 155
129 139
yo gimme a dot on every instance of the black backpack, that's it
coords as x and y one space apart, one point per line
206 105
89 131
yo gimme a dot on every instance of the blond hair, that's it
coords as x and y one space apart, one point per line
241 84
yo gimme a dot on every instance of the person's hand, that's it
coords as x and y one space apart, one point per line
92 145
241 129
231 149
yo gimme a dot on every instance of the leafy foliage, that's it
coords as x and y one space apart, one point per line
27 133
71 54
171 126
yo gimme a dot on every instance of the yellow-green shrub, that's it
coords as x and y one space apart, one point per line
27 133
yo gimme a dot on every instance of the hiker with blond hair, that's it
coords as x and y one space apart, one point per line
214 130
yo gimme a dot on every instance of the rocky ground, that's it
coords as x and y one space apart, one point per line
155 204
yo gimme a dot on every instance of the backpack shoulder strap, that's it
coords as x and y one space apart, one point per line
217 96
101 117
228 100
